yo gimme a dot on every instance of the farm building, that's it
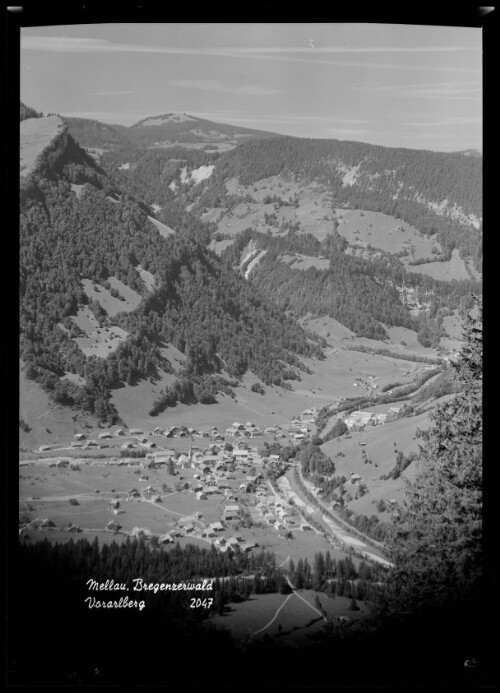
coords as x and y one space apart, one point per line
73 528
135 431
358 418
105 434
165 539
44 448
79 436
217 527
240 454
248 546
119 432
141 532
41 522
231 512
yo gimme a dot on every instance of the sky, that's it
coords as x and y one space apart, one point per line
392 85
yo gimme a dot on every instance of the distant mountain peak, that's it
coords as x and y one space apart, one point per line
165 118
475 153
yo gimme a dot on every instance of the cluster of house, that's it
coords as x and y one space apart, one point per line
237 430
275 512
368 382
300 426
357 420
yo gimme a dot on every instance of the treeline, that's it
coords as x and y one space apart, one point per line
313 461
28 112
444 384
202 389
402 462
358 526
394 355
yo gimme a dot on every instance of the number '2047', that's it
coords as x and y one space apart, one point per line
205 603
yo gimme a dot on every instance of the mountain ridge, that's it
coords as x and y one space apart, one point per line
76 225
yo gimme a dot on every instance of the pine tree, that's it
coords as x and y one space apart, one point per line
436 543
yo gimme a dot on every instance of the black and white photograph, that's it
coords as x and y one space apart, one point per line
250 356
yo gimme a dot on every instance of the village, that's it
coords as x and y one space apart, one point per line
217 485
232 487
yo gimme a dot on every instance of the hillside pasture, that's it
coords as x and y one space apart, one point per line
101 341
304 262
164 230
129 301
134 401
219 246
307 205
85 320
147 278
385 232
46 420
379 447
77 189
455 268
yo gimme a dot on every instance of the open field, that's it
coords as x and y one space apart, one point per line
129 300
46 421
385 232
379 447
295 615
101 341
454 268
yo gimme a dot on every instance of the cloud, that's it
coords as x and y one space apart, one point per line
470 91
95 45
307 55
109 93
214 85
451 121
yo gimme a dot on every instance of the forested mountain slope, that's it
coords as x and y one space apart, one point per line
76 225
436 192
364 295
